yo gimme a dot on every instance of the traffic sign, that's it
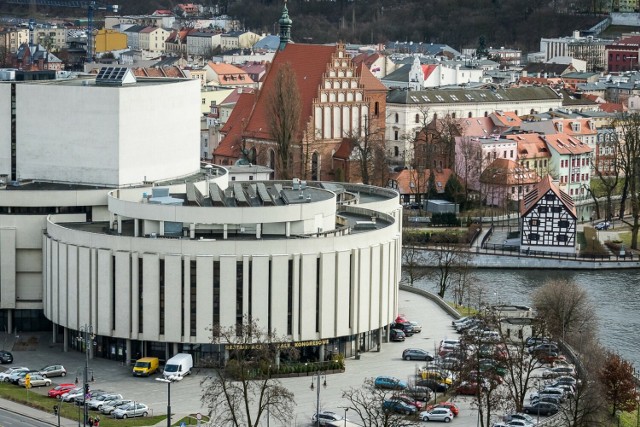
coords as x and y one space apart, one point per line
198 416
27 381
183 424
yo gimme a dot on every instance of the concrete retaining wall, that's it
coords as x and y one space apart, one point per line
433 297
498 260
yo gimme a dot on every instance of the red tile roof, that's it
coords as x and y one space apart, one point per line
610 107
366 58
565 144
344 150
309 62
507 172
234 96
231 144
370 81
405 178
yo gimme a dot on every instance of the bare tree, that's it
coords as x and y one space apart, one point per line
239 394
367 401
566 308
413 263
284 117
368 150
608 173
629 152
469 162
449 260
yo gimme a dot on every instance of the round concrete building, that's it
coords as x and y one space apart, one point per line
316 262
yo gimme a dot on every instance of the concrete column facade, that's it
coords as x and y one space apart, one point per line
128 351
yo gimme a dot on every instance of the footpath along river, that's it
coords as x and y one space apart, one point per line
616 295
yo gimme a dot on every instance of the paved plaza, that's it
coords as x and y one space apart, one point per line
114 376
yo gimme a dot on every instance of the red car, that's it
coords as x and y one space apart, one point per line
58 391
449 405
408 401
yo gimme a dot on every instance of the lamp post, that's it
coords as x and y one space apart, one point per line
86 338
318 375
162 380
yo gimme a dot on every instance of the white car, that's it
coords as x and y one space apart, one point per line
559 371
437 414
4 376
326 417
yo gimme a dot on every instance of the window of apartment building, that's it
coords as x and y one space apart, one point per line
395 135
397 118
396 151
511 154
417 118
204 101
504 154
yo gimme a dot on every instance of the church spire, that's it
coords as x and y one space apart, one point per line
285 27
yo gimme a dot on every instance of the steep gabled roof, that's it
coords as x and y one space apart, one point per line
565 144
309 62
414 182
543 187
368 80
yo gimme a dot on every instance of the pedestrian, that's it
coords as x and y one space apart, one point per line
90 421
96 421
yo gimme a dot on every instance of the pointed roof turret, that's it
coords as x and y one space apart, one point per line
285 26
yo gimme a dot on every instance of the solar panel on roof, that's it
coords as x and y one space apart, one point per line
115 76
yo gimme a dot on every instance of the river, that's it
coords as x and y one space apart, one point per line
616 295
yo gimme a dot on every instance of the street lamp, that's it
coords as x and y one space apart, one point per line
86 338
318 375
162 380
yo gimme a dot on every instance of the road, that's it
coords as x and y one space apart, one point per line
12 419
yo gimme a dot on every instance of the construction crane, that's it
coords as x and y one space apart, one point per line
90 5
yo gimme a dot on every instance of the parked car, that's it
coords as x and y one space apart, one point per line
519 416
550 357
603 225
460 320
61 389
4 376
435 373
437 414
404 327
540 408
92 394
556 400
18 375
6 357
131 410
417 354
468 388
325 417
53 371
112 405
98 401
519 423
397 335
417 327
449 405
399 407
559 371
408 400
548 391
418 393
567 380
35 380
534 341
569 390
450 363
72 395
544 348
490 365
438 386
390 383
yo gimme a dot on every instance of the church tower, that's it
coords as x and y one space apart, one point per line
285 27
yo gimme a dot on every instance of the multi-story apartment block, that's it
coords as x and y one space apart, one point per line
12 38
201 43
153 39
623 55
570 163
54 39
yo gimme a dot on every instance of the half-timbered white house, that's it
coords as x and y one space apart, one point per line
547 220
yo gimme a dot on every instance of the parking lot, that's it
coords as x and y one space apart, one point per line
116 377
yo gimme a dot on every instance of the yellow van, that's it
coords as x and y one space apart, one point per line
145 366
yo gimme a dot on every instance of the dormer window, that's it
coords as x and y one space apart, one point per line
559 127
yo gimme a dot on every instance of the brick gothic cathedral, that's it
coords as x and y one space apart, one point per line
337 99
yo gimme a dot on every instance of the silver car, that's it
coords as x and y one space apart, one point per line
112 405
131 410
4 376
53 371
35 380
103 399
73 394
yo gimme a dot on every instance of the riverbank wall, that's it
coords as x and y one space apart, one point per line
481 258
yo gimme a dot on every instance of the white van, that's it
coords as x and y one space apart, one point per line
178 366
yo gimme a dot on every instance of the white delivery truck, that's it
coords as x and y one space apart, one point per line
178 366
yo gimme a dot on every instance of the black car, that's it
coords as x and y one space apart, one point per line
417 354
404 327
534 341
438 386
541 408
396 335
6 357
